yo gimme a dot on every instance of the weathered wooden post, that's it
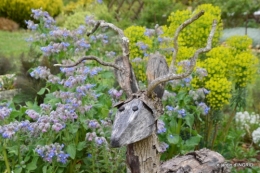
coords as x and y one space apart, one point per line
135 123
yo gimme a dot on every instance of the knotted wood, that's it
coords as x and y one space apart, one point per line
201 161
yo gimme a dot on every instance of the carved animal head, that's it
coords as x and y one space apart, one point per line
134 121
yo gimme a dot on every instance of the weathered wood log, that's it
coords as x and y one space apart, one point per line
201 161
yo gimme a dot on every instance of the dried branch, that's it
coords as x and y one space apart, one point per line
94 29
92 58
126 63
175 38
172 76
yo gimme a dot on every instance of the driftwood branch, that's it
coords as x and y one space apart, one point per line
92 58
172 76
175 38
126 86
94 29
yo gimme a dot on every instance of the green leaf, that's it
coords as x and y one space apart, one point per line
81 145
194 140
42 91
189 120
71 150
18 170
44 169
173 139
33 165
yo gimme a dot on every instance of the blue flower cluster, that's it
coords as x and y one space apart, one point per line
52 151
205 109
4 112
160 127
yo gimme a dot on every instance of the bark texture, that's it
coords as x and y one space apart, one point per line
143 156
201 161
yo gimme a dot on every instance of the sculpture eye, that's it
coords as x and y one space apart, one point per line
122 108
135 108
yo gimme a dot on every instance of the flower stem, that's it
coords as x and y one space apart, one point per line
6 159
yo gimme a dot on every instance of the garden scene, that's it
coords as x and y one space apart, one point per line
120 86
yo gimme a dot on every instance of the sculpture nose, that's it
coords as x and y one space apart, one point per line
115 143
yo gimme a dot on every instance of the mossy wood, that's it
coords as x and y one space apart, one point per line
136 119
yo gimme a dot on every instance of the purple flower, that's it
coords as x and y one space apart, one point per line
4 112
182 112
142 46
163 147
160 39
169 108
149 32
100 1
115 93
32 114
90 136
52 151
160 127
205 109
57 127
100 140
31 25
93 124
62 157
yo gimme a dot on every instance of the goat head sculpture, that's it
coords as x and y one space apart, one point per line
133 122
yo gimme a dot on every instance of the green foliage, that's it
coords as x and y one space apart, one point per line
234 12
5 65
239 43
156 12
8 48
75 13
75 20
72 6
20 10
219 92
136 34
195 35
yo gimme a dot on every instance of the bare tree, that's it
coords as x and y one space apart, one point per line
136 119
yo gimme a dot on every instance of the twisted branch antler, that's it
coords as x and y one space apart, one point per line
171 75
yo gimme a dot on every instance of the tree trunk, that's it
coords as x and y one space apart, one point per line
143 156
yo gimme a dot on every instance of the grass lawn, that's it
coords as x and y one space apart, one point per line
13 43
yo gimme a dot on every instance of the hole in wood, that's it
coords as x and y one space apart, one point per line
122 108
135 108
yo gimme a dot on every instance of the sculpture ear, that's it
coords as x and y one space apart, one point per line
121 76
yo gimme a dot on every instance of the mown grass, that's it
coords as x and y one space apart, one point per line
13 43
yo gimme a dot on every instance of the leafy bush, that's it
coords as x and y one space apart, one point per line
70 130
75 20
20 10
5 65
195 35
156 12
73 6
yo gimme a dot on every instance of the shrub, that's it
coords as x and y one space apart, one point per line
8 25
75 20
73 17
195 35
72 6
20 10
156 12
5 65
